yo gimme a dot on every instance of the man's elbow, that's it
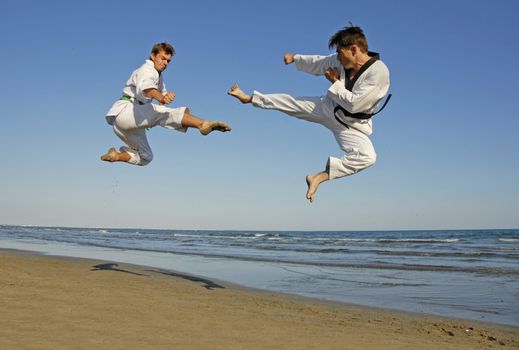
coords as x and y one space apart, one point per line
147 92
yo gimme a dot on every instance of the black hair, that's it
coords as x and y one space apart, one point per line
167 48
347 36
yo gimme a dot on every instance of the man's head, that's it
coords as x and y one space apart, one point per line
161 55
350 42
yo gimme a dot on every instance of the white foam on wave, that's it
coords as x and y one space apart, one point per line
508 240
420 240
208 236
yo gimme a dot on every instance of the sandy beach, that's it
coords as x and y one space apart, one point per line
62 303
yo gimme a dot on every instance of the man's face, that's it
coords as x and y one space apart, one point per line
346 56
161 60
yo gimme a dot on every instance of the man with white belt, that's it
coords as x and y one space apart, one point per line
131 115
359 81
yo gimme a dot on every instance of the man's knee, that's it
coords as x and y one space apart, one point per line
361 161
372 158
146 158
369 160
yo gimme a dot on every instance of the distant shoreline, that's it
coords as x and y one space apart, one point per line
263 230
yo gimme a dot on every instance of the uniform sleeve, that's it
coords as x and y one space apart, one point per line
365 96
315 64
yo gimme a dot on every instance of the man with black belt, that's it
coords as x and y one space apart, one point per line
133 113
359 81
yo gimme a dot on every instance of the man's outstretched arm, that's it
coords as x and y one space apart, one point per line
312 64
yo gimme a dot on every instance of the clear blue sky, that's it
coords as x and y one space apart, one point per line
447 143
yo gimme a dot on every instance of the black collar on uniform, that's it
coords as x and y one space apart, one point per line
349 83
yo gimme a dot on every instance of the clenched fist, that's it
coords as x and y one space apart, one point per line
288 58
332 74
168 98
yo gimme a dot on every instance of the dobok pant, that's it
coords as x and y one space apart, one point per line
359 150
132 120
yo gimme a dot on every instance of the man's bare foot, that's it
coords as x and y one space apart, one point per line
239 94
310 181
209 126
110 156
313 182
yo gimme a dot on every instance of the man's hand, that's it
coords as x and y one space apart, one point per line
168 98
332 74
288 58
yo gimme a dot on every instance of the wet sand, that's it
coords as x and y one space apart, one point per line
62 303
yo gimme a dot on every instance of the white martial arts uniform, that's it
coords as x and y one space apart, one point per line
369 88
131 117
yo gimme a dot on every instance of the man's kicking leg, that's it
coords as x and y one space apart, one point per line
305 108
204 126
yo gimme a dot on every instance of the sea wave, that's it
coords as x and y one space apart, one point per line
374 265
418 240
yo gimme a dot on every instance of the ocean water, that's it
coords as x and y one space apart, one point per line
471 274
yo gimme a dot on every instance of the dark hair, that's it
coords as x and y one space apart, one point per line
167 48
348 36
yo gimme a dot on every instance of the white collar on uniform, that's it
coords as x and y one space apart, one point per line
152 65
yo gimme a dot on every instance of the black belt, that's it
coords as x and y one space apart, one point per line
357 115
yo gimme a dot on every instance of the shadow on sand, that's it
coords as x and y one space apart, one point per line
112 267
207 284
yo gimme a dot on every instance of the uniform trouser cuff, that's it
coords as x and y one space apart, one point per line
332 167
256 99
134 155
174 120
